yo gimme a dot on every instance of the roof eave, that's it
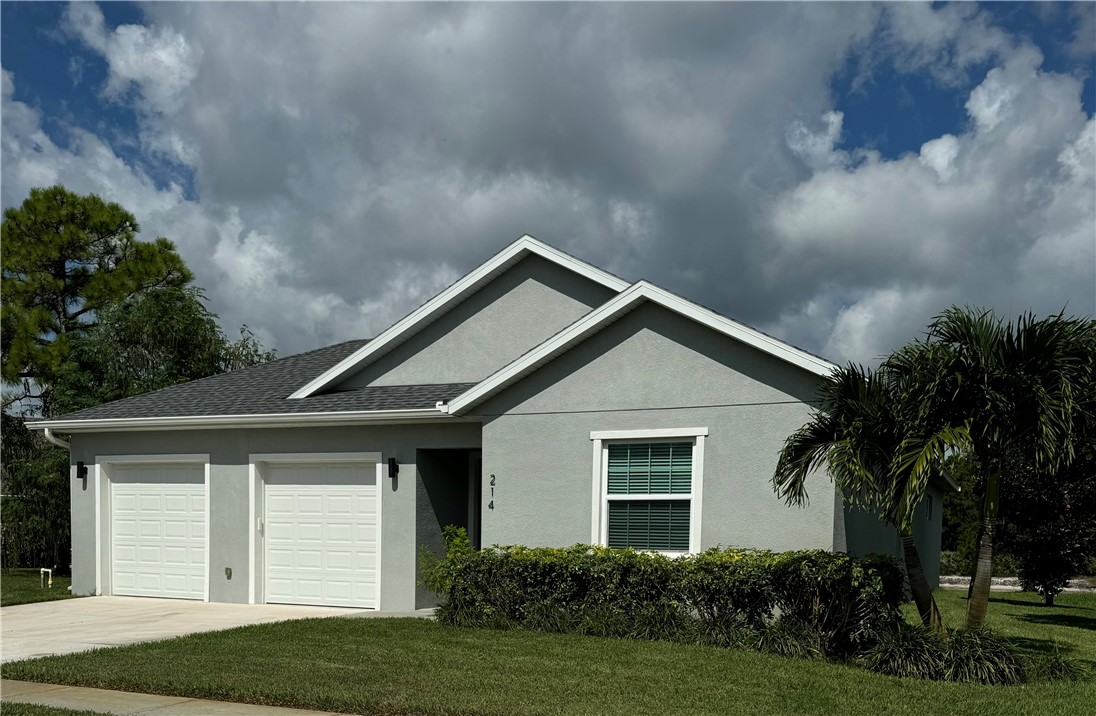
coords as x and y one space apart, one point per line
268 420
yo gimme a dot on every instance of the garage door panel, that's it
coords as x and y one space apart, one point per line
158 530
321 534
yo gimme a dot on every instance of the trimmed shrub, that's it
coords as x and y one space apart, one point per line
738 583
828 603
845 601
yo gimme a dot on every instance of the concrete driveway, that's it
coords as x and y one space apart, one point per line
72 625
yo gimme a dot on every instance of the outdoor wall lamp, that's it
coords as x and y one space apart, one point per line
81 471
393 468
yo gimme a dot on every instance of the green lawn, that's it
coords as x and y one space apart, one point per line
413 666
1069 626
14 708
23 586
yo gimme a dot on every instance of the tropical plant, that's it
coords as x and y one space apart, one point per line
864 435
1014 386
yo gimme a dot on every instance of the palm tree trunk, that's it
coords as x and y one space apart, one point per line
978 602
919 585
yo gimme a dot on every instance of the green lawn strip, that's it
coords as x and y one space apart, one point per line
16 708
1068 627
412 666
24 586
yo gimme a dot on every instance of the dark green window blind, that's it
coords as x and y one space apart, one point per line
650 468
649 524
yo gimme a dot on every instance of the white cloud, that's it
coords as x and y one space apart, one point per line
157 61
1003 215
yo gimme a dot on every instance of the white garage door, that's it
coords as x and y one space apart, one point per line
157 528
321 534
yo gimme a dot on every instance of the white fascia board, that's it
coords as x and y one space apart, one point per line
616 308
269 420
450 297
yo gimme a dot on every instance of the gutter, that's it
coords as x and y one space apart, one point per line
47 433
268 420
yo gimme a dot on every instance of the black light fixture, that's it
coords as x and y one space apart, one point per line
393 467
81 471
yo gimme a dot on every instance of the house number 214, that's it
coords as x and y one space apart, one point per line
491 504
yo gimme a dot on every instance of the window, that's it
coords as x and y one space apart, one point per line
647 489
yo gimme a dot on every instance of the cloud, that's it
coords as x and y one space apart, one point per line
1003 215
343 161
157 62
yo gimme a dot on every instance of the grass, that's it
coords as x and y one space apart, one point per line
392 667
1068 627
15 708
23 586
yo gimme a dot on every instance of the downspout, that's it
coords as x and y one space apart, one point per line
56 440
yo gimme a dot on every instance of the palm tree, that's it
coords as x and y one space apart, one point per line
860 433
1017 387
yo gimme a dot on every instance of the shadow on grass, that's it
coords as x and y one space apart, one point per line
1064 620
1033 604
1029 646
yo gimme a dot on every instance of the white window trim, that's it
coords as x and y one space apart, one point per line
103 475
600 493
256 550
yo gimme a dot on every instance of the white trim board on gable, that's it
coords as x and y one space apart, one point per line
436 307
627 301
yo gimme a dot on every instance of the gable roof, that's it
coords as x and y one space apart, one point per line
258 395
616 308
285 392
438 306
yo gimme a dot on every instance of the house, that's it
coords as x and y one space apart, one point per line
538 400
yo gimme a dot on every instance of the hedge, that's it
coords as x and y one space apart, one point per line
807 602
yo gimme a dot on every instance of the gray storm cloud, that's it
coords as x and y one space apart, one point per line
350 160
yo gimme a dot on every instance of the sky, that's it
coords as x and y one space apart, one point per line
833 174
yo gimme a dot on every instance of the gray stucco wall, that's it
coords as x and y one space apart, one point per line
866 534
228 496
651 369
527 304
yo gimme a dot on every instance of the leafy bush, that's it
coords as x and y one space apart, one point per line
953 565
845 601
961 564
828 603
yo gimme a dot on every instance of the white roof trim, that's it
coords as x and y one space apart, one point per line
267 420
436 307
613 310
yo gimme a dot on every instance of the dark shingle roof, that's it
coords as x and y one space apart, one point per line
263 389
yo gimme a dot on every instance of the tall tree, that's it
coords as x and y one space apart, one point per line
90 315
1018 386
149 341
880 460
66 258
